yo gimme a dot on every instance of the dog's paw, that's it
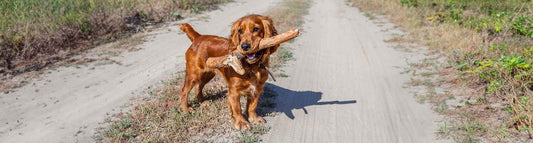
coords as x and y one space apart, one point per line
187 110
204 103
256 120
241 124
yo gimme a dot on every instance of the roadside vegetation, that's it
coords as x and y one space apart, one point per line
36 33
159 118
489 47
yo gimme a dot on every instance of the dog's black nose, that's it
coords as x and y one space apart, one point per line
245 46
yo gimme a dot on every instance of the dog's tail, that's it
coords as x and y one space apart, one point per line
191 33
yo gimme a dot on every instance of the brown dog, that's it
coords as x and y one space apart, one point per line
246 34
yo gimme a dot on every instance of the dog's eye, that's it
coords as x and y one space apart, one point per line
240 31
256 29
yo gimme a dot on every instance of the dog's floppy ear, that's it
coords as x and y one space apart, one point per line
270 31
268 26
234 36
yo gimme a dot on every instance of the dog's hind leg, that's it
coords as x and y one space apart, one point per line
206 77
184 93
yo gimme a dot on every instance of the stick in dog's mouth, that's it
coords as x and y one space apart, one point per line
273 41
251 56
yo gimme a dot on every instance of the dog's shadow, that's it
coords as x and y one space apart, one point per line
287 100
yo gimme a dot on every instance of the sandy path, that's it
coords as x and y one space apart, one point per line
67 104
346 86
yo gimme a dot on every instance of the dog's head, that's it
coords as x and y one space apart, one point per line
247 32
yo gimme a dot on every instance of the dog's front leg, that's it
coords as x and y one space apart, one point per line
234 104
251 107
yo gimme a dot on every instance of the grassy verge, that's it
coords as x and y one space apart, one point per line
159 119
489 46
287 16
35 33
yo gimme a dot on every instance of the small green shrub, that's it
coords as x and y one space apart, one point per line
454 15
410 3
523 25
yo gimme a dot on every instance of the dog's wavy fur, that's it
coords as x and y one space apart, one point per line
248 29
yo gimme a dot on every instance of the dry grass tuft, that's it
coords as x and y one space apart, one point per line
161 120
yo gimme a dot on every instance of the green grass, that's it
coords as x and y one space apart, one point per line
33 30
503 66
492 16
283 75
443 130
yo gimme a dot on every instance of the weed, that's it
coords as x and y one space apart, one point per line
444 129
468 103
481 100
427 73
470 127
441 106
421 98
286 55
370 16
283 75
523 25
503 134
410 3
247 138
196 9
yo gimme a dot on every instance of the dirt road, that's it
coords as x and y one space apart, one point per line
345 85
67 104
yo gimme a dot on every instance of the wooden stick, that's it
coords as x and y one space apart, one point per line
231 60
278 39
272 41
